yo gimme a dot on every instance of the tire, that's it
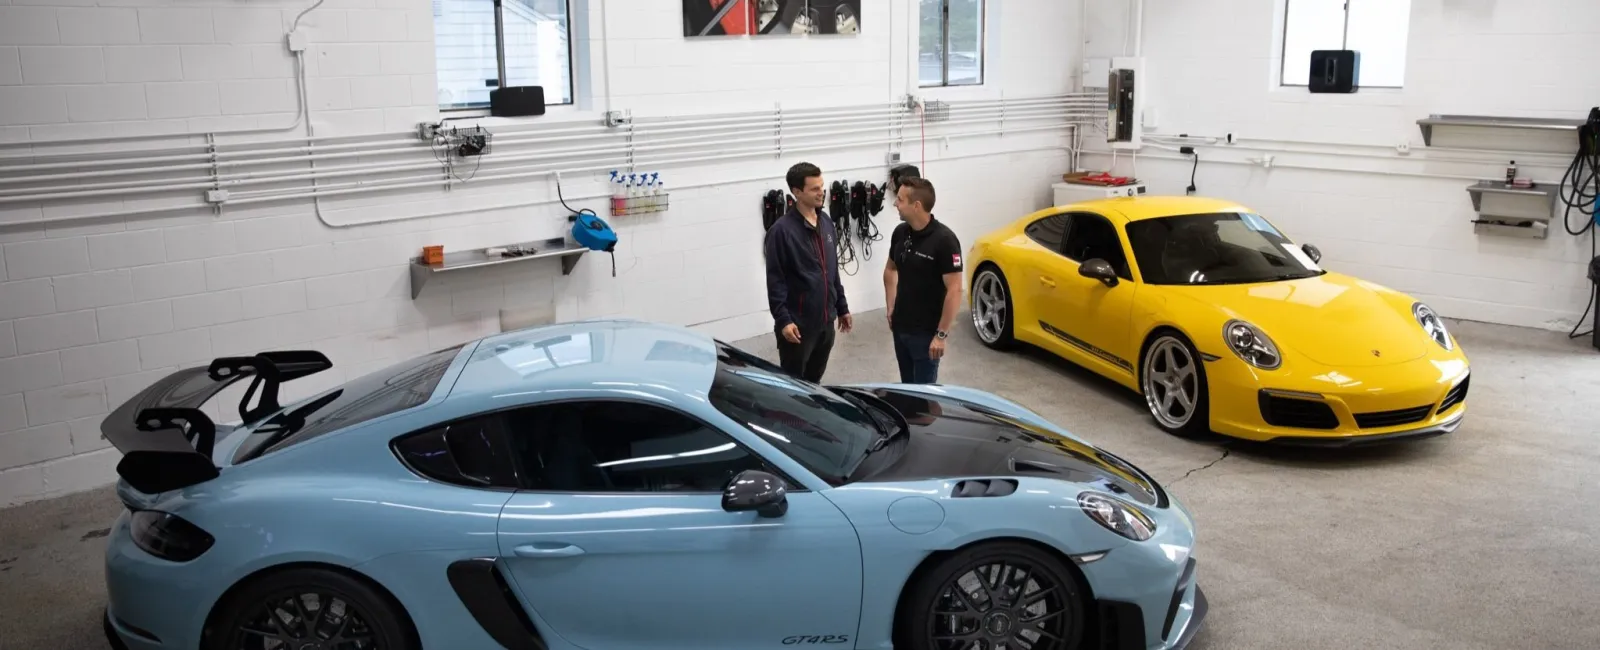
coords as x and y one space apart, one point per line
1172 362
246 622
934 603
996 292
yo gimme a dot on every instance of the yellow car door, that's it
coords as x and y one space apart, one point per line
1088 297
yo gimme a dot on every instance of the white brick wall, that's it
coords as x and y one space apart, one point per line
91 313
1210 71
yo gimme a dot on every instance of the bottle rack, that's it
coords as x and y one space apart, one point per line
632 205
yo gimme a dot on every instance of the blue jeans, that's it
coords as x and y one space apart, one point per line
916 367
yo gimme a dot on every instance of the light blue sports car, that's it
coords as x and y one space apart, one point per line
617 484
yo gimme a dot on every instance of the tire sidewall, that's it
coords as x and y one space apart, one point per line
911 625
390 627
1007 328
1200 421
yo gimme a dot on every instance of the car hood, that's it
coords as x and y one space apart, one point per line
950 438
1332 319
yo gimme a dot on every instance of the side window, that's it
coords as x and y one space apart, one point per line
1049 231
461 453
607 446
1093 236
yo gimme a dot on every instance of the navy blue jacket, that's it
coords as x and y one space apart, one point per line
803 285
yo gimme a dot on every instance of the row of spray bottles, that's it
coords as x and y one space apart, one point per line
637 193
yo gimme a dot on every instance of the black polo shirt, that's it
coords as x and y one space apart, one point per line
922 257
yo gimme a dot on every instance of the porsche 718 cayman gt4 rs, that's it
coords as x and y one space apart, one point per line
1220 321
606 485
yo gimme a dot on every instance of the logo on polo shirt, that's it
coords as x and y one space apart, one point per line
956 259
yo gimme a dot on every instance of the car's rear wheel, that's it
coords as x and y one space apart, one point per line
990 596
991 308
1174 386
310 609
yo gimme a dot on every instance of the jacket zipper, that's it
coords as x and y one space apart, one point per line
822 263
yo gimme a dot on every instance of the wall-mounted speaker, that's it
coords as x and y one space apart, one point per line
1335 71
516 101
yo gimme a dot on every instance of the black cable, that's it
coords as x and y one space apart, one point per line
1190 150
1583 179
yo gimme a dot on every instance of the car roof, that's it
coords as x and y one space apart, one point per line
607 354
1140 208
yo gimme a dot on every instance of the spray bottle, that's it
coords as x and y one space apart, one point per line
661 196
618 198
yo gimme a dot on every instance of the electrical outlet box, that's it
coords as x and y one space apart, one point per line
427 130
298 41
216 196
617 118
893 158
1096 72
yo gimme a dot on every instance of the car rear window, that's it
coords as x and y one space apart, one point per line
393 389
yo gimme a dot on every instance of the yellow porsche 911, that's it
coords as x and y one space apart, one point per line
1219 321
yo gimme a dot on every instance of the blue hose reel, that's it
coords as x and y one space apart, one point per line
593 233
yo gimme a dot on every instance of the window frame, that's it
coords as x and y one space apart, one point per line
1344 42
1124 270
497 439
791 485
944 46
500 60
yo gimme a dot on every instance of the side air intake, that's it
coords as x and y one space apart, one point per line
987 487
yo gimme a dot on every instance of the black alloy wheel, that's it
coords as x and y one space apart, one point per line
1000 596
311 609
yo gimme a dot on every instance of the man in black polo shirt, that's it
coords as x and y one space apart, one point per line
922 283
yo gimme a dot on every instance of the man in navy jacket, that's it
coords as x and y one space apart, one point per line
804 292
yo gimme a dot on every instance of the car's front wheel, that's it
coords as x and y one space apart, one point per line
993 595
1174 386
310 609
991 308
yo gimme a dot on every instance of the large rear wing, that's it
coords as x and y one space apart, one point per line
167 441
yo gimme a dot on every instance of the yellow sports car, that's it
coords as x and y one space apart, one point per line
1220 321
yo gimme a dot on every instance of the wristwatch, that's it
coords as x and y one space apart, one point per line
941 334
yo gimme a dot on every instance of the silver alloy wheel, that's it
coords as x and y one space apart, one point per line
1171 382
989 307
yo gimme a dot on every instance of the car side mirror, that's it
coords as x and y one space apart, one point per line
1099 269
756 490
1312 252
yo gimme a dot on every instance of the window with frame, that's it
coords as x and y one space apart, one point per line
950 50
1375 28
1049 231
618 446
1092 236
481 45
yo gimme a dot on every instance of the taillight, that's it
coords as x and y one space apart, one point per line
168 536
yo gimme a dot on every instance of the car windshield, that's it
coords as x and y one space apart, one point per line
824 431
1223 248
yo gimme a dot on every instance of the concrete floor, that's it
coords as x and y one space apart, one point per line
1481 539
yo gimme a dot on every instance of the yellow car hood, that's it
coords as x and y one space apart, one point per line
1333 319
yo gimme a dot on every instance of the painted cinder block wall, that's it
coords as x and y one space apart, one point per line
90 313
1211 69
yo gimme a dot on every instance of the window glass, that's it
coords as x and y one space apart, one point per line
462 453
1225 248
819 428
393 389
1047 232
466 51
950 54
1093 237
1378 29
608 446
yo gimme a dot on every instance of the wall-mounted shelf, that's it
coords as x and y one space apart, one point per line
1509 210
556 247
1529 134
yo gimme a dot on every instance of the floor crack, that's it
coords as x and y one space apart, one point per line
1225 453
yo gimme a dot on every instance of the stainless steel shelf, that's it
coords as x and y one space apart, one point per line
1499 199
1427 124
556 247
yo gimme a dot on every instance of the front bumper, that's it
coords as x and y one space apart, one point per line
1305 404
1125 625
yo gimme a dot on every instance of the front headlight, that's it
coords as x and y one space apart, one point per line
1121 518
1432 324
1251 344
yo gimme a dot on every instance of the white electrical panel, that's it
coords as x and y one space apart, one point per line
1069 193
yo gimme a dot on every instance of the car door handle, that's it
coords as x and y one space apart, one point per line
552 550
1049 282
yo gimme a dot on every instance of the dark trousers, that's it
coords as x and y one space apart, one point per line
916 367
807 359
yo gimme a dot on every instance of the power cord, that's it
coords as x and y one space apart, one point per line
1190 151
1583 177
